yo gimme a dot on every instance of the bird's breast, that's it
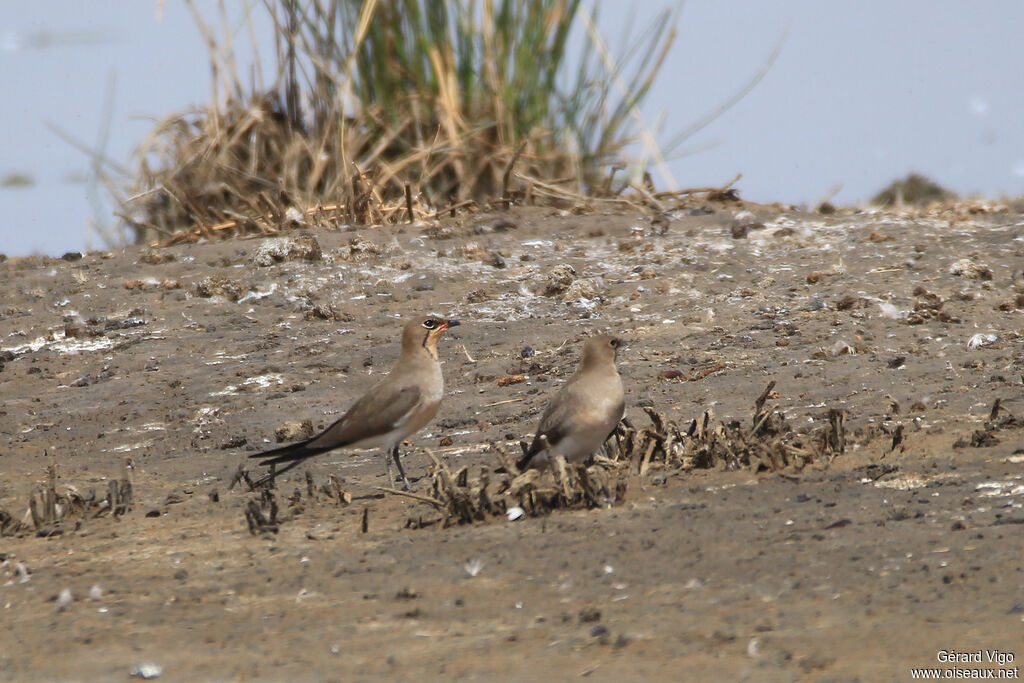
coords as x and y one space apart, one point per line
433 390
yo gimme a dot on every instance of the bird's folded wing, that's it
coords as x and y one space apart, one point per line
378 412
368 417
554 425
565 416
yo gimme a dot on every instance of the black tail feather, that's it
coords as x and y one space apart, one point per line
292 452
540 443
527 458
270 476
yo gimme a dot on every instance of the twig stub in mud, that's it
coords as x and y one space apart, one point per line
261 515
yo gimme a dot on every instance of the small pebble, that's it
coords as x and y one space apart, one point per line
473 566
147 670
64 600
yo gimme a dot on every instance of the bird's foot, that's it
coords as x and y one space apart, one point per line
400 484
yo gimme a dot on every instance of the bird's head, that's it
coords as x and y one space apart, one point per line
601 349
424 333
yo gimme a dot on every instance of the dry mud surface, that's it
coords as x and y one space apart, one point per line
838 566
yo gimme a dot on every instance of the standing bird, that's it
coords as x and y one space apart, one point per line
396 407
585 412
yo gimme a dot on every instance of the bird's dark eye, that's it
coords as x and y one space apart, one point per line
614 343
430 324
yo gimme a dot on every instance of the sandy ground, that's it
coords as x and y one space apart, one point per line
858 566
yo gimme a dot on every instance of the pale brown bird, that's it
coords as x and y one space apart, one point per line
396 407
585 412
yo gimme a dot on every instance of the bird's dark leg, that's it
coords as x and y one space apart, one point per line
391 477
401 470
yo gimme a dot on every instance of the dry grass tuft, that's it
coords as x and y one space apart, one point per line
388 112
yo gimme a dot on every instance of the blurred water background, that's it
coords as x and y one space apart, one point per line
858 95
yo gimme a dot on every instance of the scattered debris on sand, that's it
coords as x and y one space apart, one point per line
649 452
54 510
